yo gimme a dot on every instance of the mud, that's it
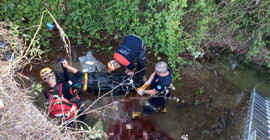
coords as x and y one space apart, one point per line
213 97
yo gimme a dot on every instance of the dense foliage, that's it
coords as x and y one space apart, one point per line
171 27
20 118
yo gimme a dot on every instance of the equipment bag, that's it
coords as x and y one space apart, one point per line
62 108
97 81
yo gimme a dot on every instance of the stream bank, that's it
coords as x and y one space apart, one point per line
213 100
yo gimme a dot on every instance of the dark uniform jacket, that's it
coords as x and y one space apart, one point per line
128 51
67 85
160 83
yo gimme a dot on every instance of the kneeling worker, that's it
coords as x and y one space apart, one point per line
131 47
160 83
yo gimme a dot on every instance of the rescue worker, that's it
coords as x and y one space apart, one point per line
131 47
66 90
160 83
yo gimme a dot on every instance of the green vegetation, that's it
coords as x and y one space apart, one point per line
171 27
199 92
182 101
20 119
205 131
196 102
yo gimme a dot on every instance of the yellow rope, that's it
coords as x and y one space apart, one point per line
85 82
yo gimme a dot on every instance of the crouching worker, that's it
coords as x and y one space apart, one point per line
64 101
132 47
160 83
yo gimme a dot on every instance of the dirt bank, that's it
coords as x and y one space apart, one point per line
257 56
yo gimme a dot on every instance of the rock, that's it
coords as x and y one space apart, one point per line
220 126
198 66
176 133
219 130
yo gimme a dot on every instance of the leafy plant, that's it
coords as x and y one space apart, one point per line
205 131
196 102
199 92
170 27
37 87
182 101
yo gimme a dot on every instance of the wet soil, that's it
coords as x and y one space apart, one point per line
212 104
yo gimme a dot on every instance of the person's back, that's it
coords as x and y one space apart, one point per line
131 47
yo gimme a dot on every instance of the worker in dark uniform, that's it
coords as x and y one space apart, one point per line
132 47
66 90
160 83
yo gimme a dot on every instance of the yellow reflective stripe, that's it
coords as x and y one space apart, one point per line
85 82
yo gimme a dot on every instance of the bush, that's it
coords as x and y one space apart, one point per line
20 118
171 27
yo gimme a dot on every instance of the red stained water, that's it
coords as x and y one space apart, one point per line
126 128
136 129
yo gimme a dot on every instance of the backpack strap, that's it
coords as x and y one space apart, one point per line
55 92
61 101
74 93
48 93
60 89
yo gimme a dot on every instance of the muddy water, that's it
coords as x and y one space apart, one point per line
213 98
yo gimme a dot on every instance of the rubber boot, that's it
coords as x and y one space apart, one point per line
162 109
136 115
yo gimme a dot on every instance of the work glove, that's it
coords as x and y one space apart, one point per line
129 72
144 86
140 92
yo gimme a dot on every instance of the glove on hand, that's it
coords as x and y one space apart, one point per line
140 91
145 85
